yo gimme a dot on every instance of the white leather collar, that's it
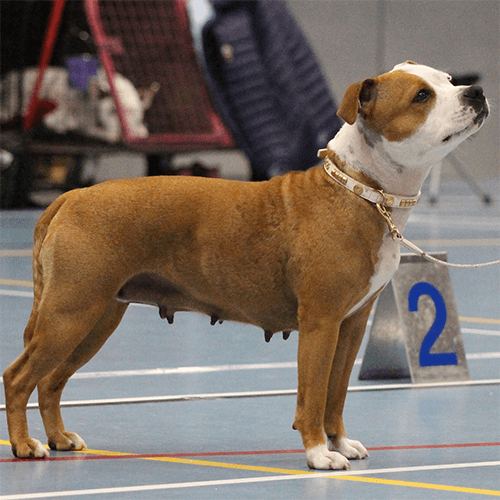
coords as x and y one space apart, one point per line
376 196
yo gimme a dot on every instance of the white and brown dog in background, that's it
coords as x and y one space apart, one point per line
298 252
91 113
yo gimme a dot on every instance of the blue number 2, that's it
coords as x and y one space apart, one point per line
426 357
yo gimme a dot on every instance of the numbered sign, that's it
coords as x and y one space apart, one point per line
415 331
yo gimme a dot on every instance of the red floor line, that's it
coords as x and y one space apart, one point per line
239 453
431 446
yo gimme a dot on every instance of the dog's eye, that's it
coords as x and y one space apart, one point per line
422 95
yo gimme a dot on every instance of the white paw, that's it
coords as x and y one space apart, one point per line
39 450
30 448
78 442
349 448
320 457
67 441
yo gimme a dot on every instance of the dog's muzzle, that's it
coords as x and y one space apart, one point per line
473 96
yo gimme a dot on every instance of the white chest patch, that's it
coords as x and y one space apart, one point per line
387 264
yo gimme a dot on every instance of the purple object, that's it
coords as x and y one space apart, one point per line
81 68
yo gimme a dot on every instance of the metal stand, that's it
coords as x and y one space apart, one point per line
462 172
415 331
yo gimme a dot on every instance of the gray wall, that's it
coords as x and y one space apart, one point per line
356 39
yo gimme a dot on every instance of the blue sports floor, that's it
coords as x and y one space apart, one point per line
193 411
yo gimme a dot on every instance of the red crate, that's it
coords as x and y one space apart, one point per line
149 41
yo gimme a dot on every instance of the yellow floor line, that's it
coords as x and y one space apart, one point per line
465 319
226 465
191 461
429 486
435 242
16 253
486 321
25 283
273 470
390 482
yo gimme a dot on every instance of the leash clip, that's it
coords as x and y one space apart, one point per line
393 230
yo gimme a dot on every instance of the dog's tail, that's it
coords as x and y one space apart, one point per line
41 231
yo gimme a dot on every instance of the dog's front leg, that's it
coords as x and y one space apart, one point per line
317 343
350 337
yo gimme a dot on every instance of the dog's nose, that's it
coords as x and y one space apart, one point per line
474 96
474 92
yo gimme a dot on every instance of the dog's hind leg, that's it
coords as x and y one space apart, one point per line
50 388
350 337
59 329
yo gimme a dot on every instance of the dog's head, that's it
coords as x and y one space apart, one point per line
134 102
414 109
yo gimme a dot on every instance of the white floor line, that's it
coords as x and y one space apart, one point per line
482 355
186 370
480 331
182 370
16 293
258 394
228 482
222 368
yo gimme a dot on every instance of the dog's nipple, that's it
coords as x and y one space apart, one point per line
214 318
268 335
163 310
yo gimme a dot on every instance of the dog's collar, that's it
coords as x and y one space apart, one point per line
375 196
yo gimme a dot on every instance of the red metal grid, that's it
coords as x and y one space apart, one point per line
149 41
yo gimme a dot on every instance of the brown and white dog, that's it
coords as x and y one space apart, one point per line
299 252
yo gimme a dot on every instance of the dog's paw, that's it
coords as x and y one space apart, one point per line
30 448
67 441
349 448
320 457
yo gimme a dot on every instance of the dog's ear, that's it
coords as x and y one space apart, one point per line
147 95
355 97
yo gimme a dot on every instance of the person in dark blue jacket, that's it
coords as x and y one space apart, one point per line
265 81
